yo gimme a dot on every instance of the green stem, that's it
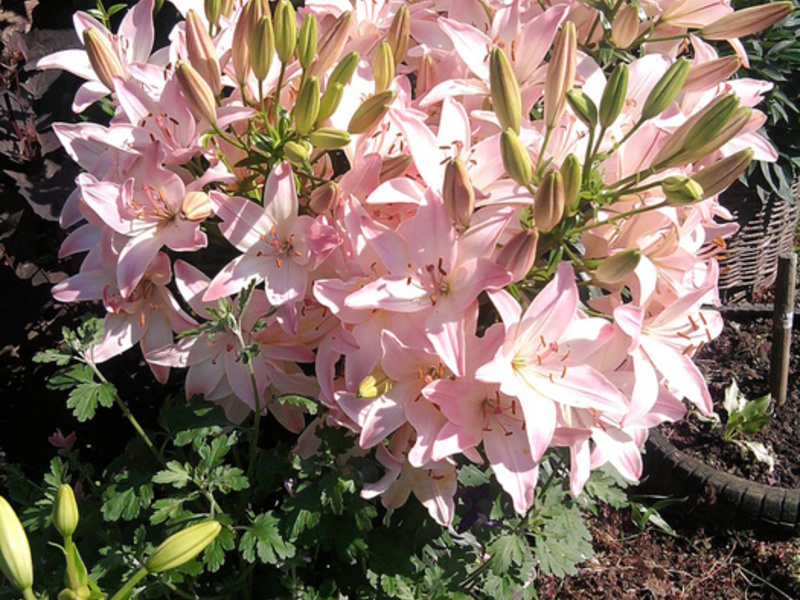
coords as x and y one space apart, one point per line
28 594
277 99
126 589
547 135
624 215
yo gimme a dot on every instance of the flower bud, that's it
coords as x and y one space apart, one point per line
332 43
667 89
681 190
710 74
625 27
711 123
201 51
330 101
325 198
746 21
549 203
583 107
371 112
615 269
285 30
15 553
506 98
458 194
671 153
572 176
375 385
65 511
243 33
394 166
560 74
306 108
329 138
398 34
182 547
519 254
102 57
383 68
717 177
307 43
212 10
614 95
516 160
343 72
196 206
262 48
426 77
197 93
296 153
226 7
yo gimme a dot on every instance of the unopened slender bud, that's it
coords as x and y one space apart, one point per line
324 198
519 254
330 101
65 511
516 160
196 206
746 21
426 78
583 107
711 123
329 138
616 268
398 34
506 98
681 190
731 129
15 553
711 73
262 48
201 51
197 93
671 153
717 177
102 57
571 174
226 7
458 194
307 43
375 385
394 166
180 548
296 153
285 30
332 43
625 28
343 72
242 37
560 74
307 107
383 68
613 100
371 112
667 89
212 9
549 203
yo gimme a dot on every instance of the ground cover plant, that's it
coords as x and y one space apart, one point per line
459 251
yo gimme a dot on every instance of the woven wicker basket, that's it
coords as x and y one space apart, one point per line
766 231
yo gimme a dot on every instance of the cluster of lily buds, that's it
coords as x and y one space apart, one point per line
484 234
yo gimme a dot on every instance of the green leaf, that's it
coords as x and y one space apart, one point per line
127 502
227 479
176 474
293 399
170 509
214 555
85 397
473 476
263 538
506 550
562 543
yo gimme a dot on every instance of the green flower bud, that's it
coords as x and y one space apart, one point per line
398 34
262 48
383 68
681 190
614 95
615 269
197 93
182 547
572 176
105 62
583 107
516 160
212 9
330 101
226 7
667 89
329 138
342 72
15 553
285 30
306 109
296 152
711 123
506 98
549 203
458 195
717 177
65 511
370 113
307 44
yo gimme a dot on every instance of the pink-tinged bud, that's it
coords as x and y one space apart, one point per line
746 21
625 28
329 138
383 68
549 203
307 42
285 30
427 75
15 552
332 43
710 74
370 113
516 160
196 206
398 34
201 51
180 548
262 48
324 198
560 74
102 57
717 177
197 93
519 254
506 98
616 268
680 190
394 166
240 49
457 192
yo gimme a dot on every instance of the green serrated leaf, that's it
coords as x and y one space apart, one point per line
85 397
176 474
308 404
263 539
506 550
